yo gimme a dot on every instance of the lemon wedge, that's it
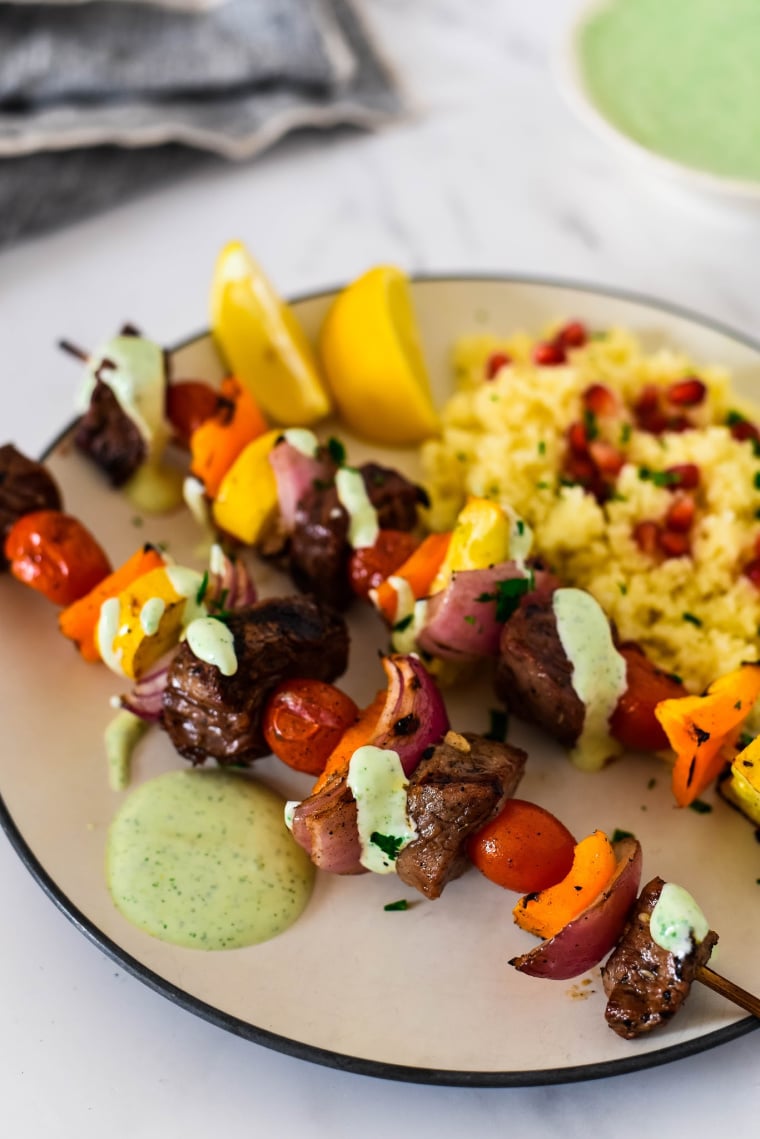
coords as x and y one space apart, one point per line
372 356
262 341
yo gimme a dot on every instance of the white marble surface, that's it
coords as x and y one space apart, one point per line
491 172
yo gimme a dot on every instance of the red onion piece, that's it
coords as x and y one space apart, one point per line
584 941
414 715
325 826
231 586
146 698
464 621
294 474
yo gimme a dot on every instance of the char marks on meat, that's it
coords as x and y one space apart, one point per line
455 790
208 715
534 675
25 486
319 549
107 434
646 985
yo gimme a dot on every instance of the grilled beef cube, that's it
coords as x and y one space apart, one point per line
394 497
25 486
455 790
111 439
208 715
534 677
319 548
646 985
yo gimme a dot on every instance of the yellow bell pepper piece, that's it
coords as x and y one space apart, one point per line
699 727
247 497
742 788
147 618
481 538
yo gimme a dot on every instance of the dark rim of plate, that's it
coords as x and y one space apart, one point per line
443 1077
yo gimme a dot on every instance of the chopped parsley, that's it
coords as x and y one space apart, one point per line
625 433
735 417
618 835
217 604
202 589
745 739
590 424
137 520
470 619
401 904
658 478
404 623
622 587
499 725
692 619
756 480
520 526
600 335
507 596
700 807
336 450
390 844
542 486
542 447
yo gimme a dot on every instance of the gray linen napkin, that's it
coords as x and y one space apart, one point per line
318 69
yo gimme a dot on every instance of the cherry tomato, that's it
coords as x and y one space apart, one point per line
371 565
56 555
188 404
525 848
633 723
304 721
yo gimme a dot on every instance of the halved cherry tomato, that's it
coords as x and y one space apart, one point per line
56 555
633 723
304 720
525 848
371 565
189 403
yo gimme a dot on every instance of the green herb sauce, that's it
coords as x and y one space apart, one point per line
680 77
203 859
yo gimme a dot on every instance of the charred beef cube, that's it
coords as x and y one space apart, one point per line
25 486
455 790
111 439
319 548
393 496
534 677
208 715
646 985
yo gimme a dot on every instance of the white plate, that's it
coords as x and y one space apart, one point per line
572 83
423 995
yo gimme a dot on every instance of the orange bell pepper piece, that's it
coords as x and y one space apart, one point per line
699 728
418 570
218 441
549 911
353 738
79 621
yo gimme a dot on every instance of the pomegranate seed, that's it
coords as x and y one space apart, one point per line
649 399
573 335
743 430
684 476
752 571
680 514
677 423
580 468
645 535
672 544
549 354
688 392
495 362
577 438
608 459
599 400
652 421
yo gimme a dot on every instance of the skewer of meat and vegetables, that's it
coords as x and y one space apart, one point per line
327 646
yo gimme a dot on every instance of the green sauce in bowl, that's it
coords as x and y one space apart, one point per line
681 78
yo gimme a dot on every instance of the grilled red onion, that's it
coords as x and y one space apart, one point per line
464 621
414 715
230 586
295 472
325 826
146 698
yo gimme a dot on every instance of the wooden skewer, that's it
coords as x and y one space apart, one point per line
74 350
728 989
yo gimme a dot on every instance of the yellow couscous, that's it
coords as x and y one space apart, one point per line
696 613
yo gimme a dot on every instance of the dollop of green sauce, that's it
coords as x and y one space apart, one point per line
203 859
680 77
